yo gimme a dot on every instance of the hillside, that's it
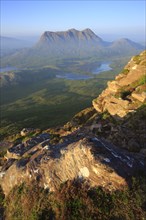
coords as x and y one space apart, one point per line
10 45
120 108
71 44
127 92
31 92
95 165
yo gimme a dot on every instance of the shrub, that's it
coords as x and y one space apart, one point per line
125 71
142 80
139 82
105 115
137 59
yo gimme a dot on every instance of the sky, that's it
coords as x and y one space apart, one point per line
108 19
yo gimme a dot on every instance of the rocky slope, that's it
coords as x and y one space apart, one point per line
82 149
119 113
127 92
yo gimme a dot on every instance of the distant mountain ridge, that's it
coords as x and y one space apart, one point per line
87 36
13 42
71 44
70 35
9 45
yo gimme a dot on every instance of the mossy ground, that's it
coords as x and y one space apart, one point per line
76 200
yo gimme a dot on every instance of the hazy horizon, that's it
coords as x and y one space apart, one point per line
106 37
110 20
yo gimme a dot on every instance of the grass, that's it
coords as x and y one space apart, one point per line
54 104
125 71
137 59
142 80
139 82
76 200
49 102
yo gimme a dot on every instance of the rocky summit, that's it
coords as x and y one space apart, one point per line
89 158
83 150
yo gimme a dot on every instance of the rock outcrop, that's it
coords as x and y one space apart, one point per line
127 92
89 159
119 113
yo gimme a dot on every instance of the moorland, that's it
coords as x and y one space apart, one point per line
37 98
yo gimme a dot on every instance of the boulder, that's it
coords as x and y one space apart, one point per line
140 97
113 86
51 167
97 106
116 106
26 131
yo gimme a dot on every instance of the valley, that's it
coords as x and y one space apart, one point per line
44 98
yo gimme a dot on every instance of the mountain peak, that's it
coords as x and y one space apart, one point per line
73 30
70 38
88 30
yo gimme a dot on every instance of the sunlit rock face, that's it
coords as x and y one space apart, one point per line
89 159
127 92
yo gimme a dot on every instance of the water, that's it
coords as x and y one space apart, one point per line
71 76
103 67
7 69
74 76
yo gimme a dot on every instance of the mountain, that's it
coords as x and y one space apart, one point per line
125 45
54 46
9 45
71 36
71 43
97 161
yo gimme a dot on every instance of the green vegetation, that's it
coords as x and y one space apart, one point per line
137 59
76 200
142 80
125 71
54 103
139 82
49 101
